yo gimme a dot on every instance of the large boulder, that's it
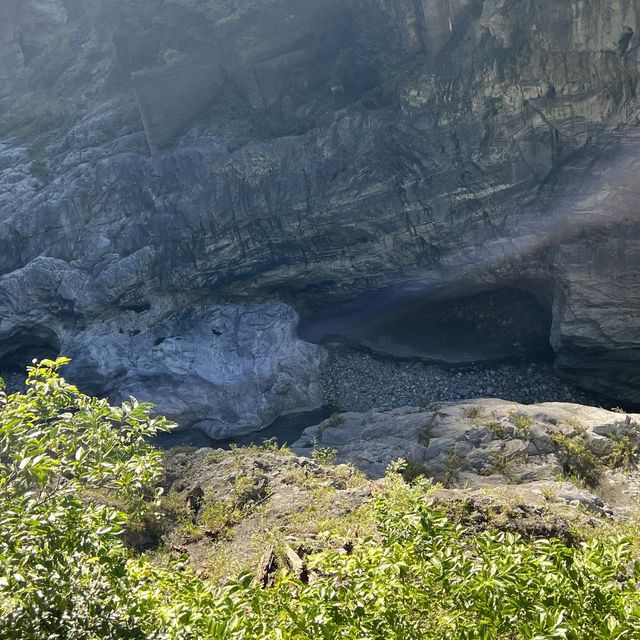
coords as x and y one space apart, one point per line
225 369
222 369
482 442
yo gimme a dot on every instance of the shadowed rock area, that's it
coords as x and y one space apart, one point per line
486 327
436 148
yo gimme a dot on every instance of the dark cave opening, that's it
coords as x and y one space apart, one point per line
20 347
493 325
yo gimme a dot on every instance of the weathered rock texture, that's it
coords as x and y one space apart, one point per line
223 369
438 146
483 442
226 509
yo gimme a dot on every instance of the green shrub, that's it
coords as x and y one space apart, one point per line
577 459
451 467
67 459
625 453
521 422
69 465
409 470
324 455
218 518
426 578
497 428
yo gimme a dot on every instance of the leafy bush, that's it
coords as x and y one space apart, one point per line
578 461
497 428
409 470
324 455
426 578
625 453
67 459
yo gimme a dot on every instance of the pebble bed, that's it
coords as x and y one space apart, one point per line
355 380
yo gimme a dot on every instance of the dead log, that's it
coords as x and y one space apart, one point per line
267 569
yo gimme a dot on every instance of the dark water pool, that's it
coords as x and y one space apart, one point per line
285 430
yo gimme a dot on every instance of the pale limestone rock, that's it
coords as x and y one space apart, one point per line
483 442
505 154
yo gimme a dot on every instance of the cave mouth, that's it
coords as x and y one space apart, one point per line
25 344
508 324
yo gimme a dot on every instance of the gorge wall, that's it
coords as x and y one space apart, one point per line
165 159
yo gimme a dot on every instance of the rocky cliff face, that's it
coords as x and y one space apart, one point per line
164 155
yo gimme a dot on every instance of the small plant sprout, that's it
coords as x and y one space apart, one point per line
473 412
325 455
522 422
497 428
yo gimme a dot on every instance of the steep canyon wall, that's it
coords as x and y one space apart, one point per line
316 151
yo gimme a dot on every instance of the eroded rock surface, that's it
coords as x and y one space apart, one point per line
244 501
226 509
439 147
485 442
222 369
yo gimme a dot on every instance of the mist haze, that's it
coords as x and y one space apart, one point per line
183 179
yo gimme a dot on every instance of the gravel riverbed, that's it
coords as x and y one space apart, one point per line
355 380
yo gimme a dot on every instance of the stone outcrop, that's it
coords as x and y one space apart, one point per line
482 442
273 44
417 149
225 509
222 369
170 99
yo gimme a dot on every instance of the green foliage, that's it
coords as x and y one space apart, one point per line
578 461
218 518
451 467
473 412
324 455
500 463
65 458
410 470
425 578
246 490
521 422
425 433
625 453
497 428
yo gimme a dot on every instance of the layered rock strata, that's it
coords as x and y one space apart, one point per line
436 147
